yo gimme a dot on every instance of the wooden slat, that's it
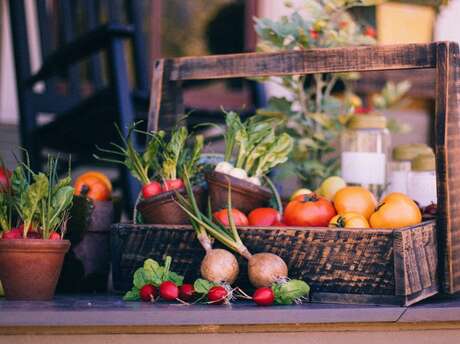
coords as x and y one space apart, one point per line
369 58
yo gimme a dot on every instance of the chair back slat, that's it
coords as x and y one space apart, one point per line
93 18
68 25
134 12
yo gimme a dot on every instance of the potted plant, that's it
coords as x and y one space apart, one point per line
252 149
94 209
313 112
160 169
32 253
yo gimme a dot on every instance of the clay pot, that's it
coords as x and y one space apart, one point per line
87 264
163 208
245 196
30 268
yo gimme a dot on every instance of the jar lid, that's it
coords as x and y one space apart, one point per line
371 121
424 162
410 151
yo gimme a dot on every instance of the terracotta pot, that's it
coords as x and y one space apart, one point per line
163 209
245 196
30 268
87 264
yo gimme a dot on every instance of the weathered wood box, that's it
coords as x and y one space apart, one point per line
341 265
373 266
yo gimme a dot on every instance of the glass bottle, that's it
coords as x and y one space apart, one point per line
364 150
422 180
400 166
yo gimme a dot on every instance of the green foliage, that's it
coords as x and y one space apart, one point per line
312 115
258 146
39 199
152 273
202 286
286 293
163 158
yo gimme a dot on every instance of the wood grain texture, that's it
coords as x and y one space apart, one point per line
366 58
364 264
447 124
166 104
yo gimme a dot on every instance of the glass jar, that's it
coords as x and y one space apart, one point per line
422 180
400 167
364 150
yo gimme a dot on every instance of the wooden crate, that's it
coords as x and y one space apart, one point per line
371 266
439 57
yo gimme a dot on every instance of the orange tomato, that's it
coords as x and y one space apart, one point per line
349 220
397 210
94 185
355 199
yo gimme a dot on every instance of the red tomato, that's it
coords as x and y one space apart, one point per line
310 211
172 184
5 176
263 217
238 217
151 189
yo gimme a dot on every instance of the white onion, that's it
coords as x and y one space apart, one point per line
238 173
254 180
224 167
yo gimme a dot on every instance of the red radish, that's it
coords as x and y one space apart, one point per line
55 236
15 233
169 291
238 217
370 31
186 292
148 293
217 295
151 189
264 296
172 184
5 176
264 217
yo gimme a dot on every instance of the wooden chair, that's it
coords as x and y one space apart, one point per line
84 78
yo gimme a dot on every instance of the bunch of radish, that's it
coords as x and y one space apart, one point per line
265 270
160 167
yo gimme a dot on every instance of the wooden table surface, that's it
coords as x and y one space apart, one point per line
106 318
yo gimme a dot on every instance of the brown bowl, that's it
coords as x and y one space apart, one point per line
245 196
163 209
30 268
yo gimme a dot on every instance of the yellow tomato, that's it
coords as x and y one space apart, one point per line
349 220
397 210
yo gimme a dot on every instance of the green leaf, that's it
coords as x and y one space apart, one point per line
286 293
175 278
150 264
202 286
142 277
132 295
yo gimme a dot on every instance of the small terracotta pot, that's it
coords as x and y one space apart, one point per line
87 264
245 196
163 209
30 268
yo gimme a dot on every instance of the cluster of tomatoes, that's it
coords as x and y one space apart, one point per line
350 207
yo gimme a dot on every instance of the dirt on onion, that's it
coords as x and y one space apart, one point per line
264 269
219 266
